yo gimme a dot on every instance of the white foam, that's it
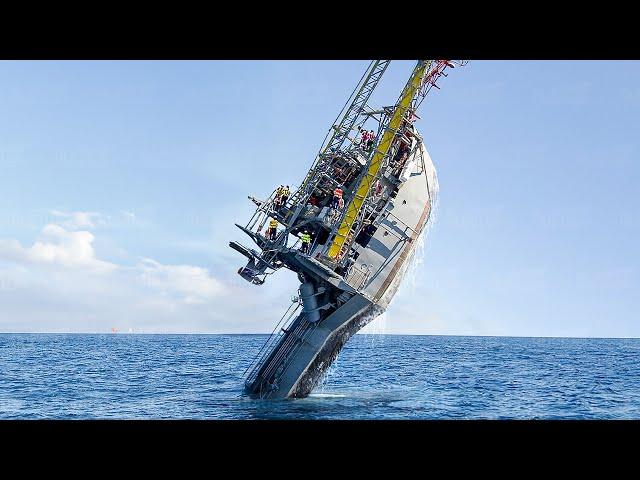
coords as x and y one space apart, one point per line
405 281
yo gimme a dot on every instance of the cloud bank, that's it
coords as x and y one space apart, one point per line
58 284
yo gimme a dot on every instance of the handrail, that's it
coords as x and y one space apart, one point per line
390 214
307 330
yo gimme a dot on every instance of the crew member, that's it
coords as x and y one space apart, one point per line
284 196
273 229
278 198
305 238
337 195
360 136
370 140
364 138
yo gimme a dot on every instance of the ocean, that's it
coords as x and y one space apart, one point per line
135 376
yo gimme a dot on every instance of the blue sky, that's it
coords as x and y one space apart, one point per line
121 182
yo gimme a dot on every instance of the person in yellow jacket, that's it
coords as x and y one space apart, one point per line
284 196
305 238
273 229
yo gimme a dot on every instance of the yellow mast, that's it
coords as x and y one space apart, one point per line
406 97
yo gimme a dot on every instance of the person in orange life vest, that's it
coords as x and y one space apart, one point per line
364 139
370 139
337 195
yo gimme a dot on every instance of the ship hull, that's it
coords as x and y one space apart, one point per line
305 349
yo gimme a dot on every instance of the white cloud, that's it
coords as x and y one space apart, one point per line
59 284
193 283
57 246
77 220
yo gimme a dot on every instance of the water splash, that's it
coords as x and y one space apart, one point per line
326 395
375 330
333 372
405 281
418 255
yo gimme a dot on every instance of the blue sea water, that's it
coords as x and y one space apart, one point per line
59 376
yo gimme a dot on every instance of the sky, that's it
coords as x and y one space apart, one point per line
121 182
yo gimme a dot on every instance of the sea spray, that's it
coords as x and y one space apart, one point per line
332 371
375 330
405 282
408 272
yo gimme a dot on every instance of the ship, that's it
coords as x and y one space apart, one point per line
348 232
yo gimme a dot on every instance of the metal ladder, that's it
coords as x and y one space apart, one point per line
273 339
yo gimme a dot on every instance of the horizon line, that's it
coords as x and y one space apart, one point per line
358 333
